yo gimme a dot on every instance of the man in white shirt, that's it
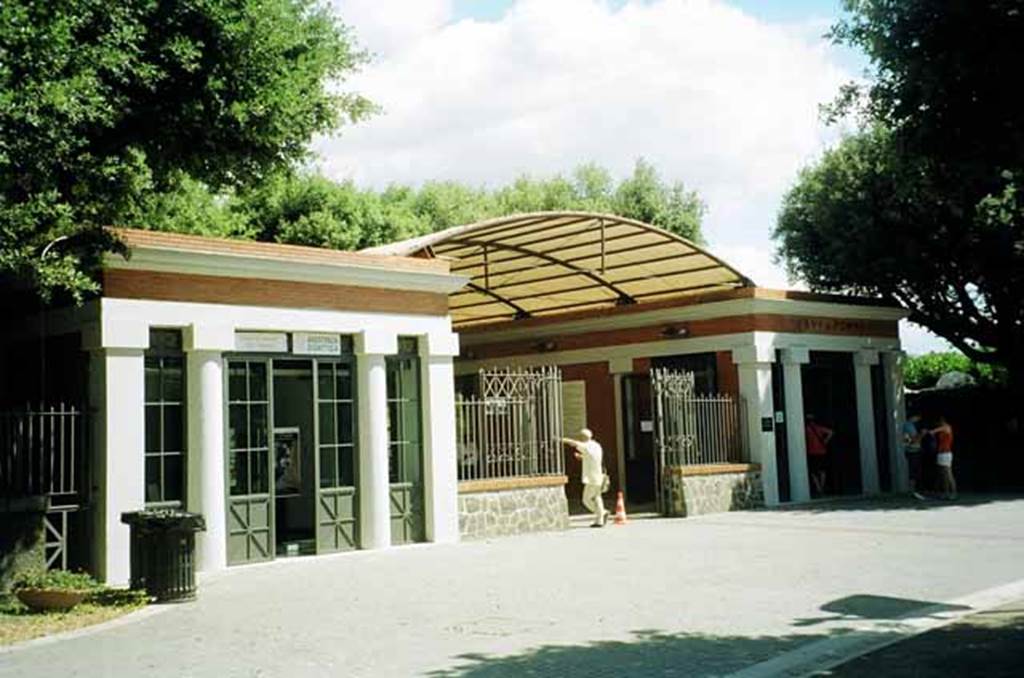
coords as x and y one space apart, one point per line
589 452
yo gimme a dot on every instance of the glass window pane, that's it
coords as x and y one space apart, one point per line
236 381
152 379
325 380
174 481
260 472
153 428
174 429
257 381
153 478
394 472
344 381
173 381
258 426
238 427
327 430
392 379
346 466
238 472
394 429
408 345
346 429
328 466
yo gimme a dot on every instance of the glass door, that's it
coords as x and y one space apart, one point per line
405 438
337 456
250 504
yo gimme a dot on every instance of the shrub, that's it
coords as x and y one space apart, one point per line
60 580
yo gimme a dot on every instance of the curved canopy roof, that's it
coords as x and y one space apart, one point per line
546 263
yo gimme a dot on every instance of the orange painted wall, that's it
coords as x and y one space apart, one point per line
600 420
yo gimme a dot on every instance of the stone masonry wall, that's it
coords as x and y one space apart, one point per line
512 511
694 495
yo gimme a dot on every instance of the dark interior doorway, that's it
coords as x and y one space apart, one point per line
830 396
638 436
294 469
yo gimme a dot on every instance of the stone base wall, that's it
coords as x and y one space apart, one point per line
504 512
694 494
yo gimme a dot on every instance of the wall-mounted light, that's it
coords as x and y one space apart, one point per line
674 331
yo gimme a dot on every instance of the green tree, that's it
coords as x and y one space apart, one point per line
923 371
923 206
104 104
645 197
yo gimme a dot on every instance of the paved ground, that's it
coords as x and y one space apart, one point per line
700 596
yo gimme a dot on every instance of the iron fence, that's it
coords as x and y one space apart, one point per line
514 427
695 429
41 452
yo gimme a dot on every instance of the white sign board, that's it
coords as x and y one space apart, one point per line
309 343
261 342
574 407
646 426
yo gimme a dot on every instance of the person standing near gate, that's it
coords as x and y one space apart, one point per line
590 453
944 456
912 451
818 437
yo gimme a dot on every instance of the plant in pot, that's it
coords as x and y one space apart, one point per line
53 590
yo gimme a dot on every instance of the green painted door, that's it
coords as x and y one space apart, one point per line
250 505
405 434
336 459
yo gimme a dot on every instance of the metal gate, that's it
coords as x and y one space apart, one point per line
515 428
675 426
691 429
42 455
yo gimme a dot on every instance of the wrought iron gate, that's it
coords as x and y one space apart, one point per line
674 425
42 455
514 428
691 429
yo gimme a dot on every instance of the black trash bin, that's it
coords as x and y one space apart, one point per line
163 548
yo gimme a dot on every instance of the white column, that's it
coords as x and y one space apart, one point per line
754 364
862 362
440 475
895 410
206 475
117 392
374 487
793 360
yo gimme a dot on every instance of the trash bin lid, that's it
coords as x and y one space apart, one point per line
165 519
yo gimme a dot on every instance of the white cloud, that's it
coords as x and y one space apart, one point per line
714 97
386 27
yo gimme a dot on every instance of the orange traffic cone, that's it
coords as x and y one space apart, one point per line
620 510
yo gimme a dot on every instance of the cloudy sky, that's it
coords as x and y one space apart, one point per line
720 94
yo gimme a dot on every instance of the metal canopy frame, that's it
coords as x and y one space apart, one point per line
544 263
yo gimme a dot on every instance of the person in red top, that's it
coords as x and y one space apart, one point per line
817 437
944 456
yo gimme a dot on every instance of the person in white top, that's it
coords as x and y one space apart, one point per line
589 452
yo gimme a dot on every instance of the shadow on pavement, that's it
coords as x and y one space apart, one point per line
648 653
989 644
865 606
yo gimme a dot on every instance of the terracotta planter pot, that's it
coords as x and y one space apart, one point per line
50 599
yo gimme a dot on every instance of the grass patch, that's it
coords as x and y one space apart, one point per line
18 623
